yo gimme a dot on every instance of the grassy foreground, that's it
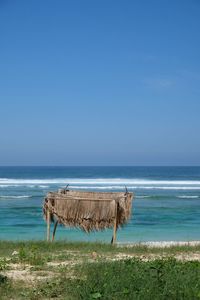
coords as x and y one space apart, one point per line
39 270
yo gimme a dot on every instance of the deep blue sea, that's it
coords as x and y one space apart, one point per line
166 203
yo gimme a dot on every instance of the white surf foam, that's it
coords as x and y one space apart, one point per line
117 187
188 197
141 197
43 186
8 185
99 181
103 183
14 197
166 187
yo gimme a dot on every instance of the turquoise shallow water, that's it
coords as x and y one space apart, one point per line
166 204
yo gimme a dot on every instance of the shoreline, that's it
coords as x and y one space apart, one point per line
160 244
149 244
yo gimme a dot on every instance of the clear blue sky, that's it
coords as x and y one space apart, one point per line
99 82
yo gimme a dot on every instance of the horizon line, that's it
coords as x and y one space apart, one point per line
92 166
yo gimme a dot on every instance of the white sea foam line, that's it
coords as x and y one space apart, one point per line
145 196
117 187
99 181
168 187
14 197
9 185
43 186
184 196
25 186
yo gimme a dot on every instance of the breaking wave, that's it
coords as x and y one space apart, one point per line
188 197
98 181
14 197
102 183
166 196
122 187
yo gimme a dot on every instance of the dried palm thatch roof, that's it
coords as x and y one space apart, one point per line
88 210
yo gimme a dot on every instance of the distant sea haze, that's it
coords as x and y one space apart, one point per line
166 203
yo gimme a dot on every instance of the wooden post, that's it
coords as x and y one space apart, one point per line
115 224
54 230
48 225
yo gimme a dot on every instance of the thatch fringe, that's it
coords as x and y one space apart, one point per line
88 210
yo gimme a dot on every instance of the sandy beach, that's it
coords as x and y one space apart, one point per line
161 244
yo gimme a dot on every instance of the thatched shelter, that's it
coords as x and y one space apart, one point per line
90 211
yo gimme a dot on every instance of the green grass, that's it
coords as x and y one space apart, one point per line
133 278
130 279
7 248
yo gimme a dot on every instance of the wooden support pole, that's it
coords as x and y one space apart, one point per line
115 224
48 225
54 230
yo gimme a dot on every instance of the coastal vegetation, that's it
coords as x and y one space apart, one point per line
62 270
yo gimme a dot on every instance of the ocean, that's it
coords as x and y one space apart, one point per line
166 205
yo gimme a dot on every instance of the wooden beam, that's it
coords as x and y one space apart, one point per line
115 223
48 225
54 230
81 199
